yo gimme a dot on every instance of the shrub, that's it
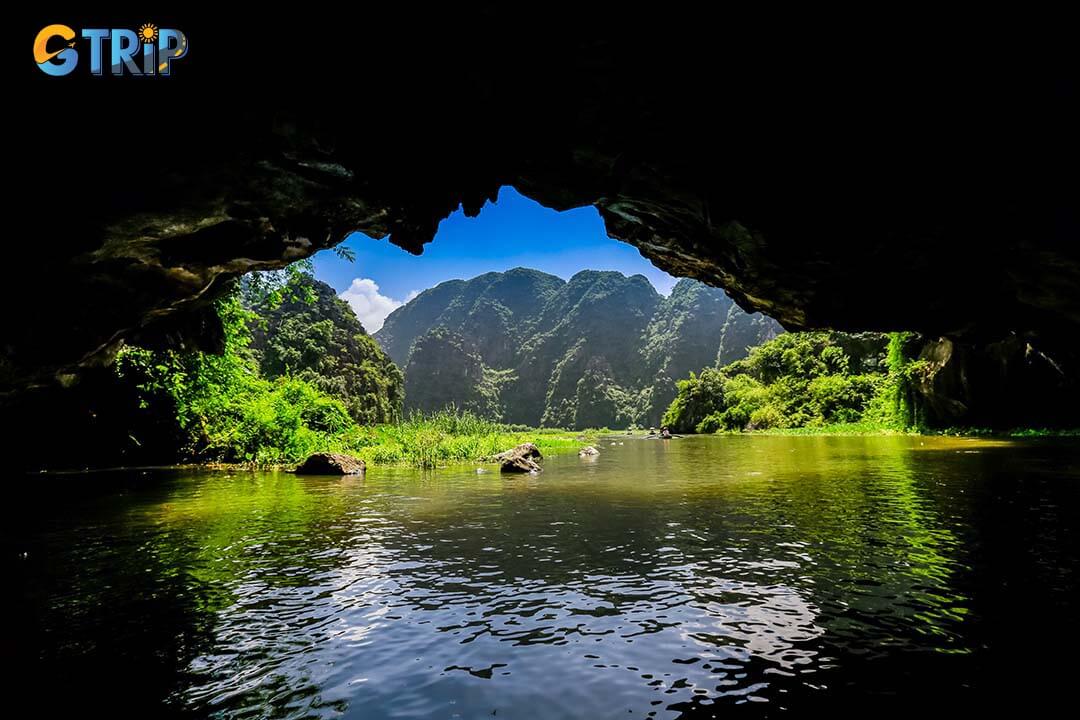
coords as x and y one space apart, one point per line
711 424
695 398
223 411
765 418
802 380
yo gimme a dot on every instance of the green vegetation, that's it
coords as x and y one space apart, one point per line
897 397
447 436
445 371
1019 432
223 409
298 375
526 347
810 382
304 331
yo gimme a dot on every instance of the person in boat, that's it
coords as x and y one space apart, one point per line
652 431
665 434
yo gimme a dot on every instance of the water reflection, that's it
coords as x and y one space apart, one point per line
659 579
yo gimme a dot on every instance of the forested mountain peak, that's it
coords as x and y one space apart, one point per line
599 348
310 333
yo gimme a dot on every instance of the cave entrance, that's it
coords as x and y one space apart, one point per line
513 232
536 317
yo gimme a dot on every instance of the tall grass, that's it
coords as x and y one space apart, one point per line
428 440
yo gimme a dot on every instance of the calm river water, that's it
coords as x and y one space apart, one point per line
698 577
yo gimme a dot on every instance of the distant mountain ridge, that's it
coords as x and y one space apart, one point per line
599 349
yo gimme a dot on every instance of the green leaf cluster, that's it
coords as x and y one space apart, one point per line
298 374
301 329
223 409
803 380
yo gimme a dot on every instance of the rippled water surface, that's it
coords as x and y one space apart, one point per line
699 577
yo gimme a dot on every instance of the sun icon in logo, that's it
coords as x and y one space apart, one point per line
148 33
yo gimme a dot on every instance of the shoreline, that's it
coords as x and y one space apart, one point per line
987 433
561 442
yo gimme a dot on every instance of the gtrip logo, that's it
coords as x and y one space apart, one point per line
147 51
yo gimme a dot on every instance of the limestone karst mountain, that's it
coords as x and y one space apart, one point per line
527 347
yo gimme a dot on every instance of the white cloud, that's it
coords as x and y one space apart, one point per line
369 304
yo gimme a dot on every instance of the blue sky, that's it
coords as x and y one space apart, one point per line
512 232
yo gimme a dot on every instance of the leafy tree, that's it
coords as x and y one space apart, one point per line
807 379
222 409
297 373
696 398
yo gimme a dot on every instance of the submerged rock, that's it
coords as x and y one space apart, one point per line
331 464
588 450
521 459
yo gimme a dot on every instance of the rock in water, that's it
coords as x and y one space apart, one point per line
521 459
331 464
588 450
528 450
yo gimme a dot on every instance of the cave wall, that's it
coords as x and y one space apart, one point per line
1003 384
827 178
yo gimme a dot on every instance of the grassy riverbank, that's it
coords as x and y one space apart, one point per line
854 428
225 409
423 441
427 441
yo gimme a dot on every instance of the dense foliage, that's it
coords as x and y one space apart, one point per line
444 371
223 409
296 375
306 332
299 374
601 349
427 440
802 380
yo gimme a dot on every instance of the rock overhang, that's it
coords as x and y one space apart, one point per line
872 190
